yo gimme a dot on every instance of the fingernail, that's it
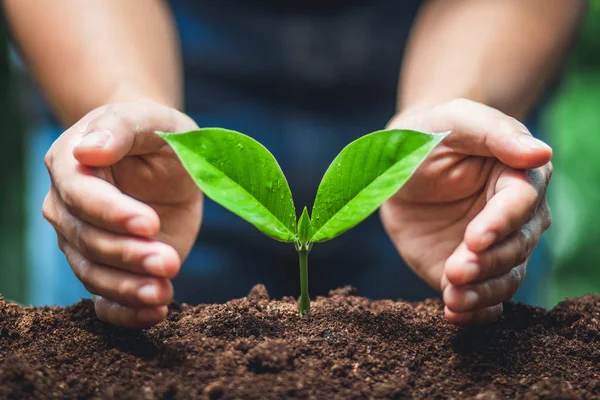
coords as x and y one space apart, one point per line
148 294
154 264
139 226
95 140
470 299
532 143
487 239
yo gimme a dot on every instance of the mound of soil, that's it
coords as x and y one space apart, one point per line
348 347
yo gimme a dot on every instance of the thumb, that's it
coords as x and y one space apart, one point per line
521 150
127 129
479 130
485 131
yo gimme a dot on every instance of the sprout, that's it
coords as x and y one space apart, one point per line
241 175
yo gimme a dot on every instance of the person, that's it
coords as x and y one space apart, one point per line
304 78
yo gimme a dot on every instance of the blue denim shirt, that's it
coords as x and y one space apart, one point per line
304 78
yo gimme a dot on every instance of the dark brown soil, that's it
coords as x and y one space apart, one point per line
348 347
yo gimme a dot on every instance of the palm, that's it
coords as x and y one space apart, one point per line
159 180
468 219
431 212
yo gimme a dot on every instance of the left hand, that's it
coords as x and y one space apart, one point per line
470 217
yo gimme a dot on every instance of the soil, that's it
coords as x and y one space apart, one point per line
348 347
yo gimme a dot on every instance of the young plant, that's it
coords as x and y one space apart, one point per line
241 175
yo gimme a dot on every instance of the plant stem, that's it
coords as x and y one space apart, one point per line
304 297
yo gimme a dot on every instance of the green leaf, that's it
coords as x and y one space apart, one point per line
304 227
365 174
240 174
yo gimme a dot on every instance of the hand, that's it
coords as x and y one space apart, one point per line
125 211
469 218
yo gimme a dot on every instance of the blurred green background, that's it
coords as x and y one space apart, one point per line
12 165
571 124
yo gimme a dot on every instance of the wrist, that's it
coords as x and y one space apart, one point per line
411 103
127 92
80 106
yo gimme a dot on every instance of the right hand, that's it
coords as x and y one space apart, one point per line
125 210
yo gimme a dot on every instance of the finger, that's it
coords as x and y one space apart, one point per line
96 201
485 131
480 130
480 317
128 317
137 255
465 266
128 129
99 203
114 284
484 294
516 198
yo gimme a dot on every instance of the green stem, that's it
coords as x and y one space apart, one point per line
304 297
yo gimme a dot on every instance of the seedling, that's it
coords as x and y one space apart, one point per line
241 175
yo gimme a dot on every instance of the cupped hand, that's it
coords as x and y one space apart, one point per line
125 211
470 217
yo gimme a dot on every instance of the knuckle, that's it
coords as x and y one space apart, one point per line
179 121
172 119
513 281
91 290
515 278
144 102
102 309
521 257
103 109
126 289
110 216
84 244
47 209
145 107
492 314
486 291
184 122
68 194
111 110
110 115
531 212
49 159
489 261
536 179
460 102
106 248
101 312
550 170
506 124
525 241
83 270
530 198
61 242
127 254
537 195
515 124
546 217
93 244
